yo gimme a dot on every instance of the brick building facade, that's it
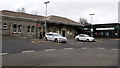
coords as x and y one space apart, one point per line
16 24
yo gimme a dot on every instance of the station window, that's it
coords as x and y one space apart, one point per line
28 29
5 26
14 28
32 29
20 28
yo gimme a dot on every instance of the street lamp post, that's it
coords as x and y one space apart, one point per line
91 23
45 24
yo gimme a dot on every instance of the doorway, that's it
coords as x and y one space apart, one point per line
63 33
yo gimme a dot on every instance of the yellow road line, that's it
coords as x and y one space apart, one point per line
37 42
115 39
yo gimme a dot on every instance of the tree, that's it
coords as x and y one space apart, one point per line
83 21
22 10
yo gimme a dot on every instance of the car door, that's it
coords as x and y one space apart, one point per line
51 36
81 37
48 36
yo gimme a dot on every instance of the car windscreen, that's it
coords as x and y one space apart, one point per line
58 35
86 36
50 34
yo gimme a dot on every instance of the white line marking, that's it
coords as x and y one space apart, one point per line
49 49
85 48
68 48
27 51
100 48
114 49
2 54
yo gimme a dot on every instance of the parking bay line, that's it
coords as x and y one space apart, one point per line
28 51
85 48
100 48
49 49
68 48
114 49
2 54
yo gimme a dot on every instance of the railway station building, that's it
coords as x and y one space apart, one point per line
16 24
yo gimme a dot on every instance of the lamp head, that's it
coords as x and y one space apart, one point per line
46 2
92 14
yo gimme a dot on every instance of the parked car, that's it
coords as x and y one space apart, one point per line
55 37
84 37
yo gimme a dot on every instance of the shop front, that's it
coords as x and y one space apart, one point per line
107 30
106 33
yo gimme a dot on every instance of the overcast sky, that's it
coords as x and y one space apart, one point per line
106 11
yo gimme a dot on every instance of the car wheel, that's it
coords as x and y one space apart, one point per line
46 39
87 40
77 39
56 40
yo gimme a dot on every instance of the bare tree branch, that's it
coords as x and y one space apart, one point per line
22 10
83 21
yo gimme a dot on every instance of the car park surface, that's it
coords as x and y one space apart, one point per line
15 45
38 52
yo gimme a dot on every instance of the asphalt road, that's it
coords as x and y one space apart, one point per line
18 45
63 57
35 52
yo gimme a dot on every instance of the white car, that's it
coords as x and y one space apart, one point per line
84 37
55 37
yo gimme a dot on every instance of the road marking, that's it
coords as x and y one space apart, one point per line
100 48
85 48
68 48
114 49
28 51
37 41
115 39
49 49
2 54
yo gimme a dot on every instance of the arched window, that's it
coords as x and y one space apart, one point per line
32 29
28 29
20 28
4 25
14 28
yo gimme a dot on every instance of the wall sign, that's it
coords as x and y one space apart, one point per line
104 28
